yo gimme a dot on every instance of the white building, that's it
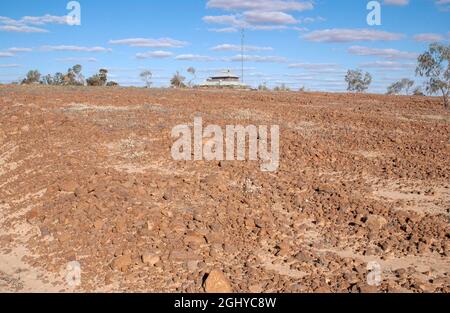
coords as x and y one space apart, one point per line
224 79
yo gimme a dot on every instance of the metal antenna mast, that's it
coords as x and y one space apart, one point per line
242 54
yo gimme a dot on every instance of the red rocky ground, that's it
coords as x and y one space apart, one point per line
86 175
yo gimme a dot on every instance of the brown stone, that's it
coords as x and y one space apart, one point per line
216 282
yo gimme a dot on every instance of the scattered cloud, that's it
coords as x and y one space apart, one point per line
256 15
27 23
17 50
6 54
428 37
316 67
150 43
390 54
257 58
154 55
309 20
194 57
230 47
74 59
391 65
10 65
443 5
224 30
22 29
261 17
337 35
260 5
75 48
396 2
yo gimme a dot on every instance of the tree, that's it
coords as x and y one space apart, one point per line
47 80
282 87
33 77
146 76
74 76
434 64
99 79
112 84
192 71
357 82
177 81
103 74
58 79
418 91
263 87
397 87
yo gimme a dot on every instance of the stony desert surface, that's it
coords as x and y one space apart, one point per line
86 175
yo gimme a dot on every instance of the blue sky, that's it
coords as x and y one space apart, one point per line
299 43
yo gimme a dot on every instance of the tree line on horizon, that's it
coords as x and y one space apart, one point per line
434 65
73 77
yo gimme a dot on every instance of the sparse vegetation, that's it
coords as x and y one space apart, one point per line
357 81
434 64
146 76
99 79
282 87
263 87
193 72
418 92
396 88
177 81
33 77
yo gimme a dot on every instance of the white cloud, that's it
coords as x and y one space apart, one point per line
6 54
256 15
17 50
150 43
396 2
26 24
257 58
390 65
316 67
428 37
224 30
260 5
260 17
10 65
75 48
154 55
42 20
349 35
309 20
22 29
230 47
194 57
73 59
390 54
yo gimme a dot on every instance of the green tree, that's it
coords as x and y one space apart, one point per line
33 77
193 72
434 64
397 87
146 76
357 81
177 81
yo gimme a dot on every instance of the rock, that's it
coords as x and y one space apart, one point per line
255 288
216 282
194 238
192 266
121 263
67 185
150 259
98 224
375 222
